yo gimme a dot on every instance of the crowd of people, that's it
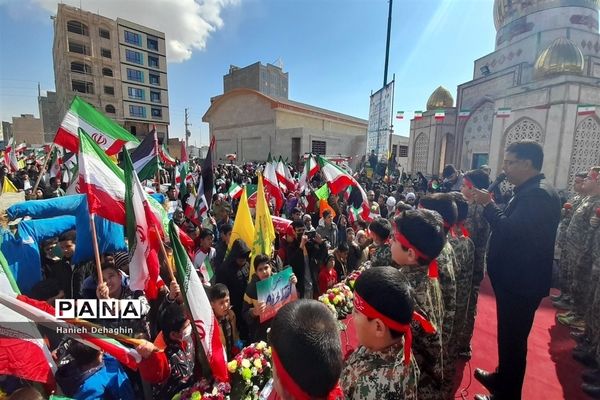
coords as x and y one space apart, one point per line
422 255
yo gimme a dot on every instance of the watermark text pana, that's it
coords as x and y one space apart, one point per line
98 309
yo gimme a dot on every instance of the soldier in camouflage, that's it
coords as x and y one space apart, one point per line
418 239
382 367
380 230
564 299
577 251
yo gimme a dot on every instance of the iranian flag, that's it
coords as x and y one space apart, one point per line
284 176
205 324
503 112
142 235
10 157
400 115
464 114
145 156
418 115
56 164
102 180
439 115
166 158
311 167
196 206
339 180
272 184
586 109
110 136
234 191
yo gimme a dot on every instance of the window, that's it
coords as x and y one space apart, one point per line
80 67
319 147
106 53
110 90
82 87
135 75
403 151
78 48
152 44
154 96
104 33
153 61
134 56
137 111
77 27
110 109
107 72
154 79
135 93
156 112
133 38
479 159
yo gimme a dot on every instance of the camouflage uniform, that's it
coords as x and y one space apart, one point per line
578 254
379 375
565 274
592 316
427 348
464 249
382 257
447 267
479 232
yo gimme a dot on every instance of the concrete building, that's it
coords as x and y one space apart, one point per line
399 151
49 114
267 79
252 125
6 130
117 66
27 129
545 66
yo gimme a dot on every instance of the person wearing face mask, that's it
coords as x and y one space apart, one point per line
172 369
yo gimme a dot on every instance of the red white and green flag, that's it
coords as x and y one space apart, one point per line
145 157
196 205
439 115
55 162
109 135
166 158
418 115
339 180
205 323
234 191
284 176
311 167
586 109
503 112
10 157
143 230
464 113
272 184
102 180
399 114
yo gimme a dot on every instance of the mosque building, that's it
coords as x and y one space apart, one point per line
542 83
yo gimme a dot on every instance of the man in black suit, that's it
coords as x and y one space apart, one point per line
519 262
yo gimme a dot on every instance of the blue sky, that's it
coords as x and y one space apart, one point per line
333 50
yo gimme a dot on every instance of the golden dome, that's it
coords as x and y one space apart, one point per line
561 57
440 98
506 11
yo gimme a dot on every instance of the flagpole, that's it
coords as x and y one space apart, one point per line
39 178
96 251
165 255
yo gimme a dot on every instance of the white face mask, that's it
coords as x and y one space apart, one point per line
187 332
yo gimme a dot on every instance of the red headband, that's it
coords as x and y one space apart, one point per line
468 183
370 312
433 265
288 383
594 174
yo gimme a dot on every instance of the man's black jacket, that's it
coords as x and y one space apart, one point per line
521 246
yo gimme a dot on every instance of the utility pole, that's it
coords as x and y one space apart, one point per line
187 131
387 45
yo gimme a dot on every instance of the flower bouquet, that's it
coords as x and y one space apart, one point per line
249 371
203 390
339 300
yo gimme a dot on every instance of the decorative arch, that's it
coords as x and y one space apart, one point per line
586 147
421 153
477 133
523 129
110 109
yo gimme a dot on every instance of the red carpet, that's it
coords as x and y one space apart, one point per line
551 374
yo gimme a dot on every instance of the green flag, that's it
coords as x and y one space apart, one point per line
323 192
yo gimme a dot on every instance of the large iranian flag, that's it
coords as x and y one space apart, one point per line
142 235
109 135
196 300
272 184
102 180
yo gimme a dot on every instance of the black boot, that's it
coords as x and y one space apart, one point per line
487 379
591 376
585 358
591 390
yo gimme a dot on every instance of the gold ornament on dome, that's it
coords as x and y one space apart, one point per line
440 98
506 11
561 57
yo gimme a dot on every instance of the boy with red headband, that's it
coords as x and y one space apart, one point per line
306 351
417 241
383 366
